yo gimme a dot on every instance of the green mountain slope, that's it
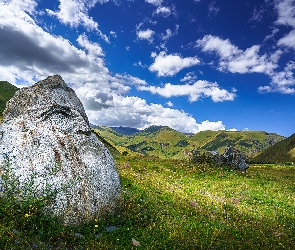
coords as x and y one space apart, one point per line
283 151
248 142
164 142
7 91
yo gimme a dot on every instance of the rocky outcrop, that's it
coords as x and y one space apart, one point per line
233 158
47 149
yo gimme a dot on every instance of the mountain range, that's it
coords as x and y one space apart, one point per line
165 142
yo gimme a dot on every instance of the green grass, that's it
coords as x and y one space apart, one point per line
172 204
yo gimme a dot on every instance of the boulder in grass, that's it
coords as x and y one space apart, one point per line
234 158
48 149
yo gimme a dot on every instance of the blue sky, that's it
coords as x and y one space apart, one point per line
192 65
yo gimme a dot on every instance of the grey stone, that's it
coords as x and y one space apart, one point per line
47 149
98 235
110 229
15 231
79 235
234 159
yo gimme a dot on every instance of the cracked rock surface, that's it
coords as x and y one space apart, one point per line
47 149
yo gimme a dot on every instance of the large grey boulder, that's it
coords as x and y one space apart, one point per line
47 149
234 158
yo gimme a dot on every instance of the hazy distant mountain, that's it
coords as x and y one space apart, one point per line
283 151
125 130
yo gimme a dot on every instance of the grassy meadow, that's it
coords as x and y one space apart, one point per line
171 204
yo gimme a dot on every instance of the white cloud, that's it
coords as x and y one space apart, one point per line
224 48
258 13
145 34
169 104
282 82
169 65
288 40
113 34
28 52
238 61
164 11
136 112
168 34
155 2
194 91
29 6
286 16
94 49
234 60
286 12
130 80
214 126
75 14
190 77
31 54
213 9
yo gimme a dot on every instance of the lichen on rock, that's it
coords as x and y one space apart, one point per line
48 149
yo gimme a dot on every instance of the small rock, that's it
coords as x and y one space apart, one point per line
135 243
79 235
111 229
98 235
15 231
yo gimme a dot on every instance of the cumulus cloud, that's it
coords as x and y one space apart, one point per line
194 91
214 126
75 14
28 54
235 60
145 34
136 112
169 65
